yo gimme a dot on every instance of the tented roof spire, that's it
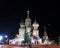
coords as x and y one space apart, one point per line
45 33
28 13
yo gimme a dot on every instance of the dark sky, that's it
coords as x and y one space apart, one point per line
11 12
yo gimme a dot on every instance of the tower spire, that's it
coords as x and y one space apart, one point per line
44 28
35 20
45 33
28 13
22 19
22 23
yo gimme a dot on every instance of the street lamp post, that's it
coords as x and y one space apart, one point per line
6 39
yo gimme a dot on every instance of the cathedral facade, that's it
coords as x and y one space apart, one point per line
29 34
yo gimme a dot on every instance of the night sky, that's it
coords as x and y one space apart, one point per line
12 11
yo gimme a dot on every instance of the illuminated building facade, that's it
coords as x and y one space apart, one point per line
25 33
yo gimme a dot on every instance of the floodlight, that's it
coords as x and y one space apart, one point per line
1 38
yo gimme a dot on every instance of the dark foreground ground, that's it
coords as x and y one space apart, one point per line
32 46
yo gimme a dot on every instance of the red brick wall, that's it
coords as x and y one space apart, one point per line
46 46
7 46
33 46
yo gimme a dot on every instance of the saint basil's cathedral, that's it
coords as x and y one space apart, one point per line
29 34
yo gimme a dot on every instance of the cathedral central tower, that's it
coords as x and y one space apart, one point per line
28 28
28 20
22 30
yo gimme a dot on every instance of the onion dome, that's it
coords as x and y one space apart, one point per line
22 24
35 24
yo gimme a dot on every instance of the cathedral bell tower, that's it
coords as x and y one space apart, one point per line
35 30
28 20
45 37
28 28
22 30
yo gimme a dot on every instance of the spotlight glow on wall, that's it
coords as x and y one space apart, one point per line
1 38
